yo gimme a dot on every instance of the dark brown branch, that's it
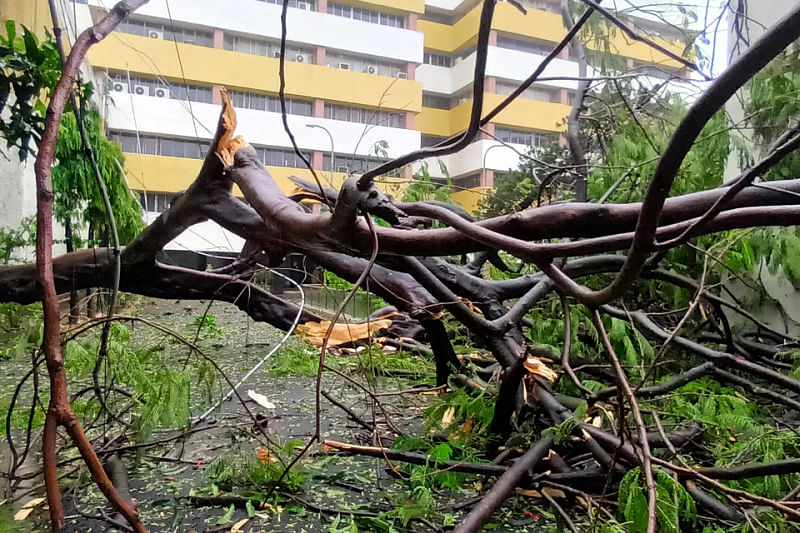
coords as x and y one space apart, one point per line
754 59
416 459
522 468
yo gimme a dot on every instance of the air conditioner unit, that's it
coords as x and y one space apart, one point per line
155 34
162 92
402 75
303 5
119 87
344 66
344 169
141 90
372 69
276 54
300 58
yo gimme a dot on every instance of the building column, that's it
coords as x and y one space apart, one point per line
408 172
489 129
216 94
318 109
493 38
320 56
490 85
487 177
564 53
409 122
316 160
563 96
411 21
219 38
411 70
322 6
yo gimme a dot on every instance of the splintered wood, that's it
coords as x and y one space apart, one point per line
342 334
228 145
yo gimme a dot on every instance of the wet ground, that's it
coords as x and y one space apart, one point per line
167 480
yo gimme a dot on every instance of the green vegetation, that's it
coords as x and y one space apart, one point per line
206 326
676 509
253 471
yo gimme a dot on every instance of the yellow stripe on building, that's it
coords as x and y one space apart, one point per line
121 51
521 113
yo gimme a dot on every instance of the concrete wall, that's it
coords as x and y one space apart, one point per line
782 307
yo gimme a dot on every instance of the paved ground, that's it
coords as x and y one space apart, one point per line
163 479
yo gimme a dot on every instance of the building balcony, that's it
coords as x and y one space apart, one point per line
134 53
304 26
165 174
500 63
538 25
521 113
171 117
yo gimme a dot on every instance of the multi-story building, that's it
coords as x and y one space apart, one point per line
366 80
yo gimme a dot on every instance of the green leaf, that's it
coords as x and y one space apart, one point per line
227 518
32 46
11 30
251 511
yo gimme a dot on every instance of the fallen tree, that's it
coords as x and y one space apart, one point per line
407 264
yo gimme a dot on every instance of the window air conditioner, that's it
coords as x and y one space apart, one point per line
155 34
303 5
276 54
119 87
162 92
343 169
344 66
300 58
372 69
402 75
141 90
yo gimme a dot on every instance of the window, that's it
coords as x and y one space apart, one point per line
467 182
364 64
363 115
530 47
121 82
430 140
435 101
440 18
281 157
302 4
266 48
193 93
155 202
544 5
367 15
528 138
268 102
167 146
535 92
354 164
168 31
437 60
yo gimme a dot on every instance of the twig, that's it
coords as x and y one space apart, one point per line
625 387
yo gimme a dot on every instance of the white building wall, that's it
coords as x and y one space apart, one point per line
307 27
486 153
172 117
